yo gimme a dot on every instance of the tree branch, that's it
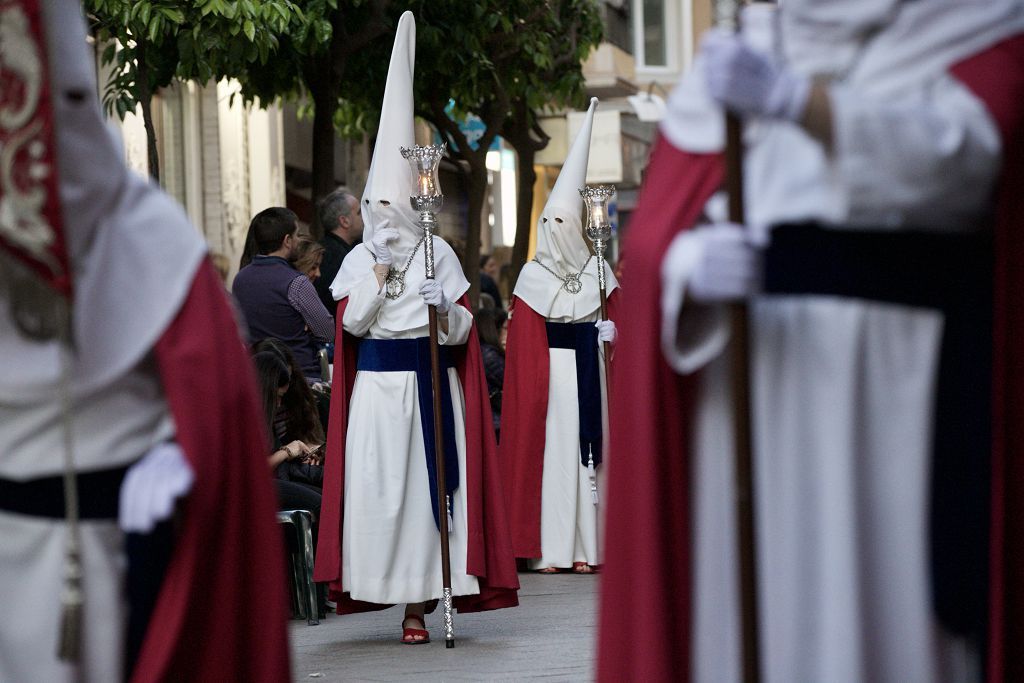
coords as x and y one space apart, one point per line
543 137
569 56
345 42
445 125
499 40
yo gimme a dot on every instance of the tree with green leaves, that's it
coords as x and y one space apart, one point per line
149 43
504 61
501 60
316 63
558 80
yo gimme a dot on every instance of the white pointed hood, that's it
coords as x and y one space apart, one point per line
389 182
560 242
132 251
561 246
385 201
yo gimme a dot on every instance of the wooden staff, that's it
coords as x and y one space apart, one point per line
426 201
599 231
439 461
604 316
741 410
740 368
739 355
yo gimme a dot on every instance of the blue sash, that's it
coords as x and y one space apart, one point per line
413 355
582 338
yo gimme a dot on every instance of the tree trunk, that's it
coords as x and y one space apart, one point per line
151 149
477 197
146 100
526 177
527 138
325 103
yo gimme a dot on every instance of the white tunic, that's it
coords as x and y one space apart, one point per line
32 551
842 396
568 512
390 543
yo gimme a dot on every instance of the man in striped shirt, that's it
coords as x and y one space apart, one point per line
278 301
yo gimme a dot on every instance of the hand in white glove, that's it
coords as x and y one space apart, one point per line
749 82
381 236
151 486
729 268
433 295
606 331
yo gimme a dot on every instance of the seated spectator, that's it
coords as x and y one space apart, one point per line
309 254
487 322
503 332
276 300
489 269
304 409
274 380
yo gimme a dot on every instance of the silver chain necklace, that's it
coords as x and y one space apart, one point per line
571 282
394 282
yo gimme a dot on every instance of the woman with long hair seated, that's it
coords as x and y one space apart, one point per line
303 410
275 379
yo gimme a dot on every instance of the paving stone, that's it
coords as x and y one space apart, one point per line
550 636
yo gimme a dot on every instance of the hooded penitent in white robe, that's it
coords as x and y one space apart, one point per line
390 542
132 258
843 388
569 489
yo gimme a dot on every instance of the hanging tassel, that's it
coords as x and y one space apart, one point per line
593 475
451 519
69 648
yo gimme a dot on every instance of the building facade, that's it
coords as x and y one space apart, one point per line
221 159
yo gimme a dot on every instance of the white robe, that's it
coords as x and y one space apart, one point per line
32 549
842 396
568 513
390 543
842 430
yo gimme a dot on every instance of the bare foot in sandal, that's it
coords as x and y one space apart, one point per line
582 568
414 627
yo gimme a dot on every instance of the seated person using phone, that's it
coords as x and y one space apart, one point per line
297 466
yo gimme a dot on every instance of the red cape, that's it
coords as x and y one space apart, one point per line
523 419
645 602
996 76
490 556
222 610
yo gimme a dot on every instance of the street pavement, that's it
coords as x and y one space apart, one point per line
550 636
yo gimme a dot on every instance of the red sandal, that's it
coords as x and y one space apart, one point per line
409 635
583 568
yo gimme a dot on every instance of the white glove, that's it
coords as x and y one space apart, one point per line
381 236
729 268
750 82
433 295
152 485
606 331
